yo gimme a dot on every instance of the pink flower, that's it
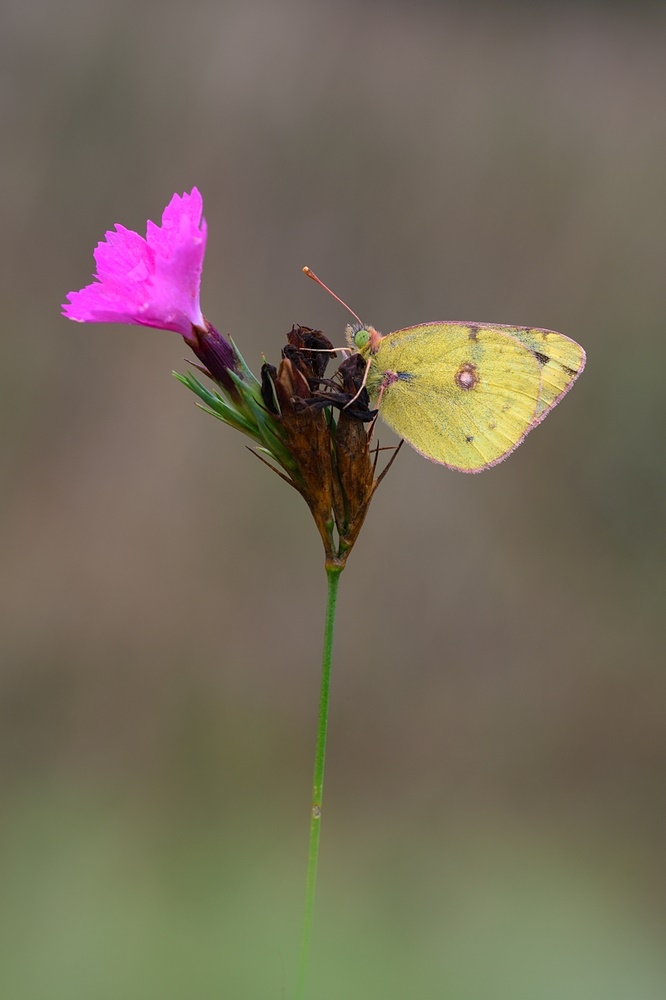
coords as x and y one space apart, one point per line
153 281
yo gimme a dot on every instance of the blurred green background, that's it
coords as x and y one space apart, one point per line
494 821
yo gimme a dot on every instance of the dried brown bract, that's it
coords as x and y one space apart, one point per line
326 427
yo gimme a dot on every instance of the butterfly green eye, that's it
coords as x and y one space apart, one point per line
361 338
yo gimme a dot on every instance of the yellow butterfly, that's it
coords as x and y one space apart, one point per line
465 394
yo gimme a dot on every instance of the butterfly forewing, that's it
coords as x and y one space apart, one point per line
466 394
561 359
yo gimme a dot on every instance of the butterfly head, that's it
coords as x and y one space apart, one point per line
363 339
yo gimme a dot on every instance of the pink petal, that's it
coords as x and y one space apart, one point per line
153 281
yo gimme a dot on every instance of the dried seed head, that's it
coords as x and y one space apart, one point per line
332 466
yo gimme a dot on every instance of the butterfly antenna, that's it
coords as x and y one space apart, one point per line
311 274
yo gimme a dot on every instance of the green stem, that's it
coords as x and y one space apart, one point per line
333 575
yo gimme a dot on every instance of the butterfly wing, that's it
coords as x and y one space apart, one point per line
561 360
466 394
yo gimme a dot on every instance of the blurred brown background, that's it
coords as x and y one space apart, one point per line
494 822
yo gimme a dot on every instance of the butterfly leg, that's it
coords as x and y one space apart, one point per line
362 385
389 379
372 429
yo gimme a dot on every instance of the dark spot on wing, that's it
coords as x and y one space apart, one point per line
405 376
570 371
473 333
543 359
467 376
469 438
492 427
